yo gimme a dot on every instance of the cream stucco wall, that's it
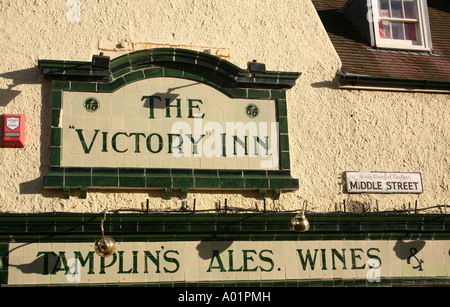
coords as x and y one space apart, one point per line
331 130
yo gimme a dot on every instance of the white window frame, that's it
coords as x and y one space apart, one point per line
423 33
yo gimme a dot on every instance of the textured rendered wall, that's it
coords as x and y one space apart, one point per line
331 130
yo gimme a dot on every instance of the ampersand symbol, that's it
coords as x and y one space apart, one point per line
413 252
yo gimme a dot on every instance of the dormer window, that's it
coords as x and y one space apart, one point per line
401 24
391 24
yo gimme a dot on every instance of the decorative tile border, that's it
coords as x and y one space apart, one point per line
169 179
168 62
75 227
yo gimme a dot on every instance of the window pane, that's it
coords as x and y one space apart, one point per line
410 9
384 29
401 24
396 8
397 30
384 8
410 31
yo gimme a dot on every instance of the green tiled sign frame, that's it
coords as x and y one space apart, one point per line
176 63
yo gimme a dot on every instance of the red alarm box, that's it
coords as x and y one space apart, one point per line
13 130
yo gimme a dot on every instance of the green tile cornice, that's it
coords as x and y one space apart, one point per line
161 62
67 177
189 226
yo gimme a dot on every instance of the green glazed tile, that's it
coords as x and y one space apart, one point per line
278 94
230 173
284 142
55 156
158 182
119 63
56 99
132 181
162 58
285 160
203 227
173 72
255 173
234 92
160 172
253 183
208 62
105 181
229 67
53 180
163 51
283 124
68 227
192 75
83 86
258 94
60 85
121 72
131 171
77 181
134 178
284 183
112 86
206 173
182 173
177 227
232 183
191 60
183 182
281 107
212 80
154 72
140 57
207 182
151 227
134 76
56 136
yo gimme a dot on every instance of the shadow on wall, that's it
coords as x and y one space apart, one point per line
328 84
353 206
43 265
7 95
32 76
206 249
405 250
18 77
409 251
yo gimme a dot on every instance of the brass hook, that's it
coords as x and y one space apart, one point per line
101 224
300 223
105 246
